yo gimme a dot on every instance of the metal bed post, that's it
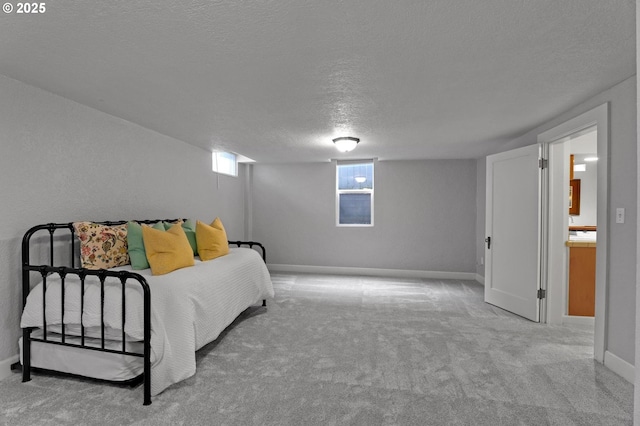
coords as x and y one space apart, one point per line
147 343
26 287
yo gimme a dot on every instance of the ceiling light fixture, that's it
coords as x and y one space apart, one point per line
591 159
346 143
361 179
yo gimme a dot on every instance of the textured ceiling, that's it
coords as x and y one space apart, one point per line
275 80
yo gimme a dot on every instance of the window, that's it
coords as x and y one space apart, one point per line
224 162
354 193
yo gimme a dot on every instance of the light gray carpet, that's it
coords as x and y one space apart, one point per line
360 351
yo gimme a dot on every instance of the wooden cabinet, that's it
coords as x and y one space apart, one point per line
582 278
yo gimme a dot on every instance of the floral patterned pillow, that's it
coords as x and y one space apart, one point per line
101 246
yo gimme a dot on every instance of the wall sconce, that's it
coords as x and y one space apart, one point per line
346 143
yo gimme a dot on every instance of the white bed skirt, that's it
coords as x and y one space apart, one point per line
83 362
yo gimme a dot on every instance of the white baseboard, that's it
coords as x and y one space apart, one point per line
480 279
620 367
375 272
5 366
576 320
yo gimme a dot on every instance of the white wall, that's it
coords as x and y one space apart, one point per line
424 216
622 181
62 162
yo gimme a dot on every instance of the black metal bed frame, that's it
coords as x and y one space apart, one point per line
82 273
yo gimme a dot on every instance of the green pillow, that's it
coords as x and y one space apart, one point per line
135 244
190 229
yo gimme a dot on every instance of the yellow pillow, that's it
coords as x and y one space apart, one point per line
167 250
211 240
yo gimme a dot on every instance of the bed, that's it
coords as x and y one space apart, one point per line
128 325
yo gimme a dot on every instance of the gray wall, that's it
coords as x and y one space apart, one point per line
62 162
637 328
622 183
424 216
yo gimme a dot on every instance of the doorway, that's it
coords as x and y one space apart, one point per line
555 143
577 161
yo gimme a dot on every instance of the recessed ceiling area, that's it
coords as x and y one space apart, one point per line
277 80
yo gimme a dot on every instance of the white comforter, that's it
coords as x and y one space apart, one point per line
190 307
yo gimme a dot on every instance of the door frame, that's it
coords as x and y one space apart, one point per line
552 273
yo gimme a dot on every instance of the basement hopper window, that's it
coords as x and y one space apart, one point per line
354 193
224 162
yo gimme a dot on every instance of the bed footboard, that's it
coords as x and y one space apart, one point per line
63 272
251 244
102 274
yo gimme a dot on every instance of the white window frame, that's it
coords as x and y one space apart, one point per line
225 163
354 191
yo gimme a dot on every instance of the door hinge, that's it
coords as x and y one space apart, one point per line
543 163
542 294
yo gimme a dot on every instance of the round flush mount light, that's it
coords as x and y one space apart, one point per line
346 143
361 179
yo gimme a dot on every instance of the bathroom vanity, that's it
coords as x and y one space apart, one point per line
582 271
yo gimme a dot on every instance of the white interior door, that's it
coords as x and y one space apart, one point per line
512 248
